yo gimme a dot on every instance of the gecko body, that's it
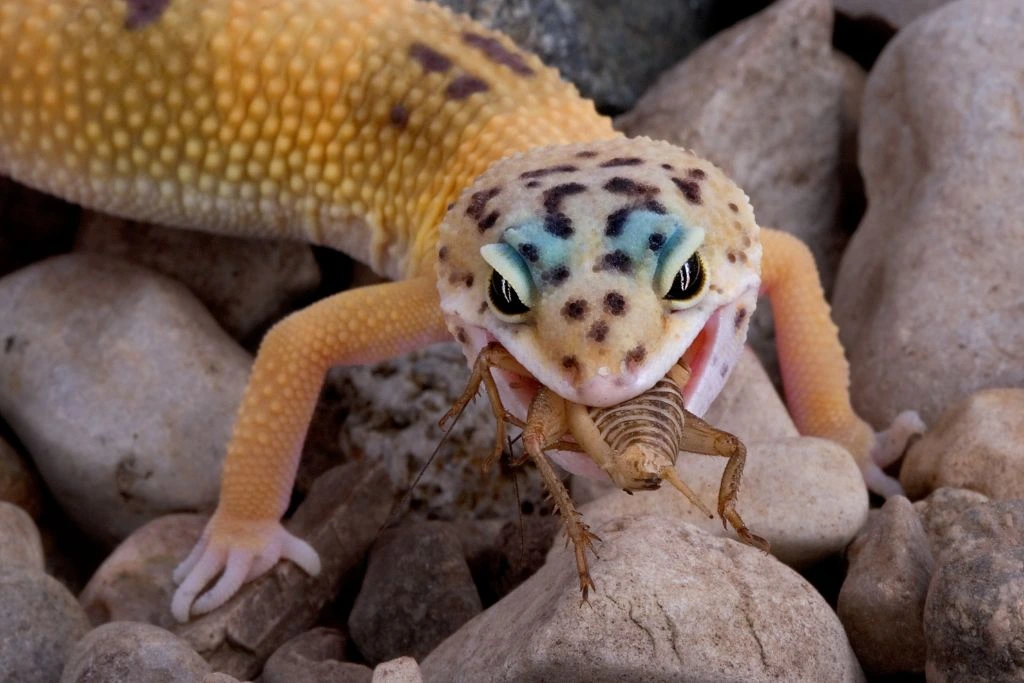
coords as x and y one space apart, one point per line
434 150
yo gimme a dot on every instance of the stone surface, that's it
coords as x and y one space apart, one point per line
881 603
898 14
973 619
340 518
245 283
610 50
121 386
939 512
134 583
763 100
40 621
417 591
805 495
929 298
18 485
314 657
977 444
401 670
672 603
128 651
19 539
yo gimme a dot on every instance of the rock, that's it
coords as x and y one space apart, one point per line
805 495
127 651
401 670
976 445
763 100
881 603
391 413
973 617
33 225
517 551
611 51
929 300
17 483
121 386
19 538
939 513
40 621
134 583
314 657
672 603
245 283
218 677
417 591
341 517
898 14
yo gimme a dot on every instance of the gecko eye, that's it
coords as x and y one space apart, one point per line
504 297
688 282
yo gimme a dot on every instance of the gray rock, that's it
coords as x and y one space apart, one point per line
245 283
976 445
128 651
120 385
929 298
40 621
134 583
418 590
18 485
341 517
401 670
939 513
898 14
973 620
881 603
611 51
314 657
672 603
19 539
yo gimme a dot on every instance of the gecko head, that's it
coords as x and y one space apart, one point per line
598 266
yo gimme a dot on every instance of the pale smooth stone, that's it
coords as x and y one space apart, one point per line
20 544
129 651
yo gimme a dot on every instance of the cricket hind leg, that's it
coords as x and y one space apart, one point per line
701 438
546 424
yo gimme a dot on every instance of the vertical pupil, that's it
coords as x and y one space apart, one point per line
508 293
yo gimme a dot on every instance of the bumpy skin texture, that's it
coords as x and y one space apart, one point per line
356 124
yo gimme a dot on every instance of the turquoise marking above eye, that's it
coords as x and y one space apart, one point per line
543 250
678 248
505 259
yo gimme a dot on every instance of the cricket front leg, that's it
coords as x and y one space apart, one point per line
815 373
245 538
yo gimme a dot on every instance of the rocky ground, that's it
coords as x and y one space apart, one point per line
125 349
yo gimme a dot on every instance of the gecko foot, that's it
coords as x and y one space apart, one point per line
889 446
238 552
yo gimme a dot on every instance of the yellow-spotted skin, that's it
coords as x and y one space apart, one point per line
370 126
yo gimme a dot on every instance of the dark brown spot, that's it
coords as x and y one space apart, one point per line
570 363
478 202
733 207
464 86
529 251
497 53
689 188
746 241
460 334
625 186
556 275
697 173
741 315
541 172
442 254
636 354
489 221
654 206
667 167
399 116
617 260
559 225
586 154
616 221
142 13
614 303
450 206
553 196
598 331
576 309
656 241
468 280
481 308
429 58
621 161
731 256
